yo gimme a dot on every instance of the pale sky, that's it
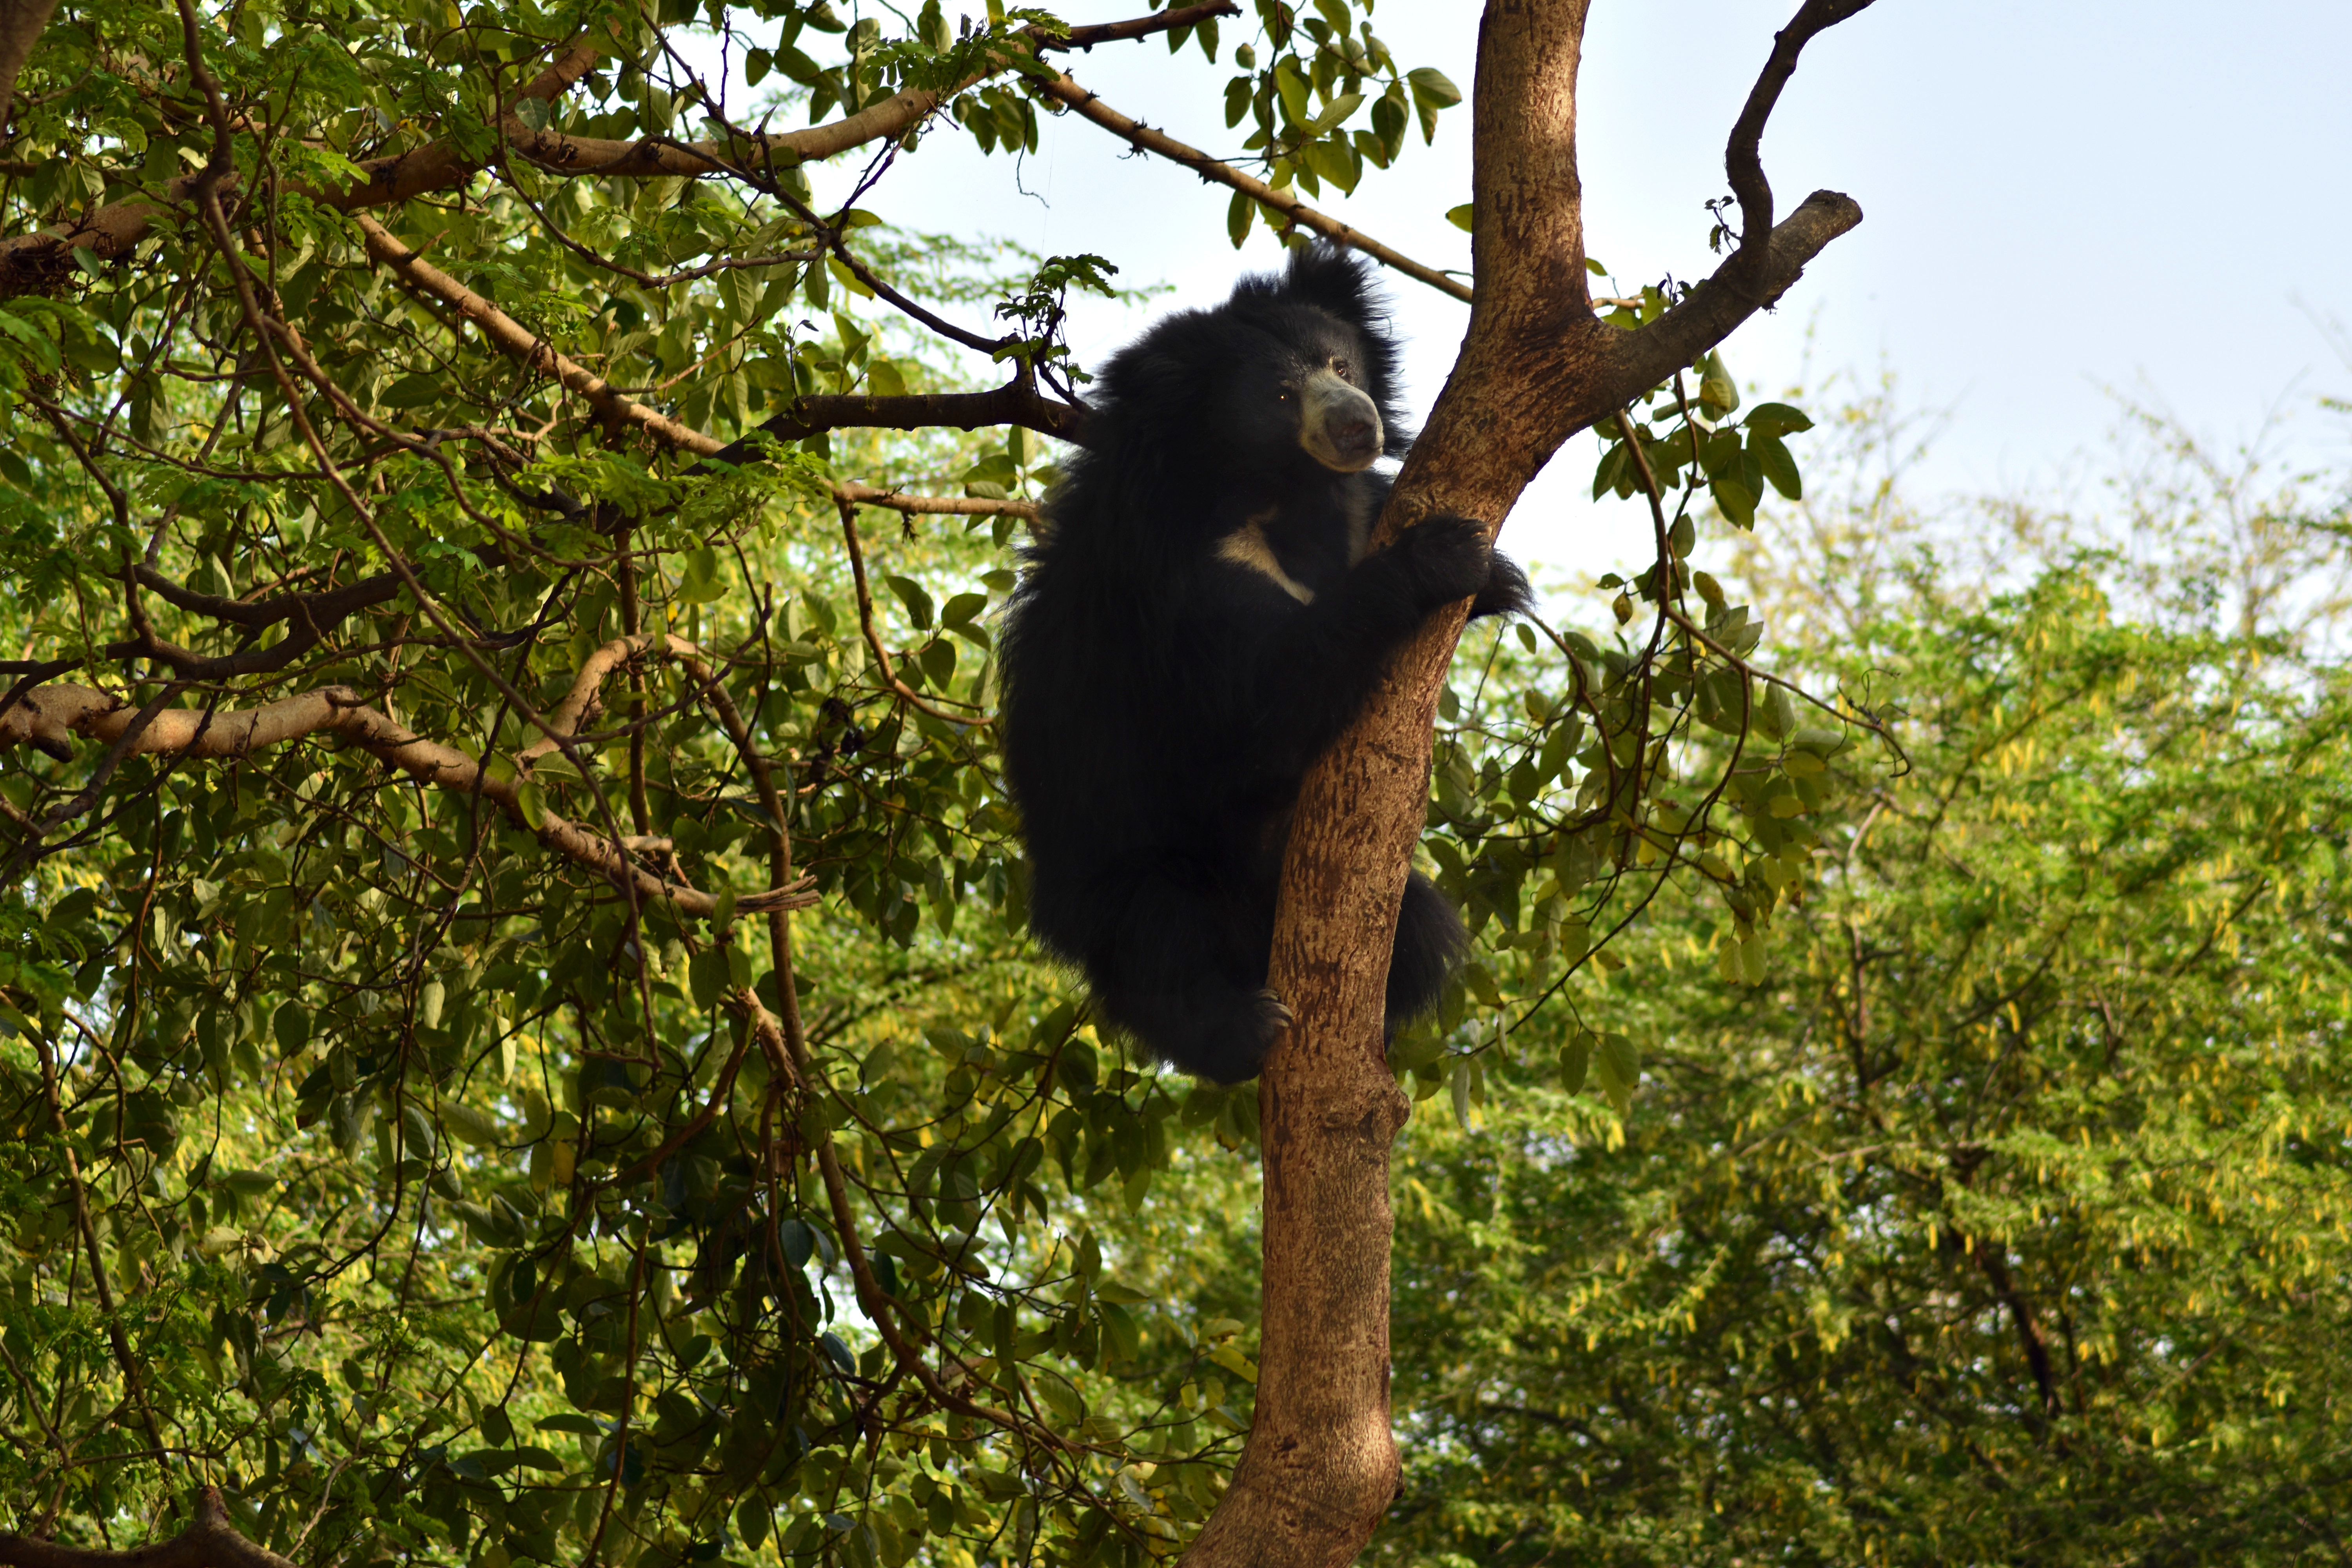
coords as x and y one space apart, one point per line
2063 198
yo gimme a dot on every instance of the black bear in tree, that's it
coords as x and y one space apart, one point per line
1199 620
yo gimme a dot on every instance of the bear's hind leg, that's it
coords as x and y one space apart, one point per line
1185 973
1430 944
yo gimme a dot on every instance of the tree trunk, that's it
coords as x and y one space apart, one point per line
1536 366
21 22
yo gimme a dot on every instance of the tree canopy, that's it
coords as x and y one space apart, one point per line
520 1041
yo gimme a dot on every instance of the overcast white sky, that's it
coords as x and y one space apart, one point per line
2062 196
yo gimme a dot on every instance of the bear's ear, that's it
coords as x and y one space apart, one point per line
1331 278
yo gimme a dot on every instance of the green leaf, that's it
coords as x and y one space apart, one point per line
1719 394
1291 88
703 581
1432 88
412 391
565 1421
1239 214
1738 506
1614 467
708 978
1775 419
1335 112
469 1125
1777 462
1620 1070
1575 1056
1461 217
916 599
1459 1084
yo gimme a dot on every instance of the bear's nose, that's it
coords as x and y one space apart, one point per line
1339 427
1351 431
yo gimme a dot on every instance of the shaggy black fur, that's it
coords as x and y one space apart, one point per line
1199 622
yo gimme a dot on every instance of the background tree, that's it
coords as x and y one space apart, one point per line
444 454
2006 1220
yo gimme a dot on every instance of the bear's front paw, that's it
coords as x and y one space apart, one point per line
1273 1016
1263 1018
1450 557
1506 592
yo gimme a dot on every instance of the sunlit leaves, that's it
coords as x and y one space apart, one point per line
2053 1038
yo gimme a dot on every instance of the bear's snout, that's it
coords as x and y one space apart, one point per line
1339 427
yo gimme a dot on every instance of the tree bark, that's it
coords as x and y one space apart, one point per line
1536 366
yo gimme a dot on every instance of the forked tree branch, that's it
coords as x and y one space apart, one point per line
322 607
1321 1465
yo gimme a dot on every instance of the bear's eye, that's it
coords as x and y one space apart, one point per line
1341 366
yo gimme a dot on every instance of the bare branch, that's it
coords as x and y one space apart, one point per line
1017 402
1284 201
1167 21
1714 310
1742 159
314 615
950 506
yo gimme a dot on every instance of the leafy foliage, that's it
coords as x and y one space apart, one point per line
565 1082
2006 1220
544 1067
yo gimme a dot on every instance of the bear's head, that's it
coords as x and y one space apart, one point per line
1322 380
1290 384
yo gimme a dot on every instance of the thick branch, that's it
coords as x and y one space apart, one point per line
50 716
211 1542
37 263
1287 203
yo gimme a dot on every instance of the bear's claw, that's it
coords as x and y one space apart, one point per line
1277 1011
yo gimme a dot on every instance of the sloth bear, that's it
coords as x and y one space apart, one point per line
1200 619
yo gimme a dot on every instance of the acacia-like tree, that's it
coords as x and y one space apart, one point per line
436 439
